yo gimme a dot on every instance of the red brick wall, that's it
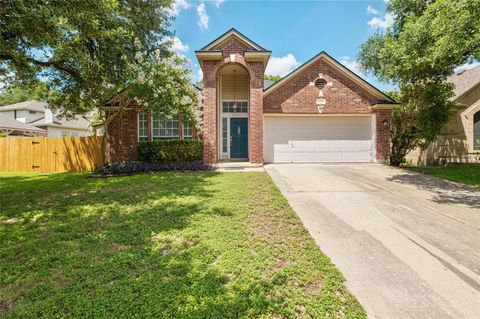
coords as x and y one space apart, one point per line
383 123
296 96
232 45
122 133
210 126
344 96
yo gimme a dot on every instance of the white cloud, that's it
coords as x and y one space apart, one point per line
199 74
218 3
385 22
203 17
282 66
351 64
179 5
466 66
372 10
178 46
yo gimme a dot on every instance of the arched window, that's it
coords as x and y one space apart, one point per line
476 131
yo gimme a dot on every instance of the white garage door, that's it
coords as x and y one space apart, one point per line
318 139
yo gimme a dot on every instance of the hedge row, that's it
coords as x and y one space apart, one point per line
170 151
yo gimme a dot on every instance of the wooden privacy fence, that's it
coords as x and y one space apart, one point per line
50 154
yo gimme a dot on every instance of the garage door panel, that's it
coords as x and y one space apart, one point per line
318 139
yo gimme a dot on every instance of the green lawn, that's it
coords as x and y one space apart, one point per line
466 174
166 245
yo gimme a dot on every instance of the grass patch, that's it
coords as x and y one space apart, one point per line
165 245
466 174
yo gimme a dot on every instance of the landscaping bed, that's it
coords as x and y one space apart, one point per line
162 245
130 168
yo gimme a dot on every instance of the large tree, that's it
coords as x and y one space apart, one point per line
427 41
16 93
90 50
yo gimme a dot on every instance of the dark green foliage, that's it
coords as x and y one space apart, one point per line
427 41
83 49
18 93
417 121
170 151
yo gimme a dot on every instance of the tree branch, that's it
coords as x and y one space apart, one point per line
59 65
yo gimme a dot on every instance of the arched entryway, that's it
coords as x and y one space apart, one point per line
233 109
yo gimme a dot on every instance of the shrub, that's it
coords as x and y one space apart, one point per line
170 151
118 169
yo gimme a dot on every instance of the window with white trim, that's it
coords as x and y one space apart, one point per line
224 135
187 130
142 127
235 107
164 129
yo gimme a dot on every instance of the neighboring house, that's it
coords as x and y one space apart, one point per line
459 141
321 112
10 127
36 114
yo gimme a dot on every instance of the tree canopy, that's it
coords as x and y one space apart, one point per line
88 51
15 94
427 41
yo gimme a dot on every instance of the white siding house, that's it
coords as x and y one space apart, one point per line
36 114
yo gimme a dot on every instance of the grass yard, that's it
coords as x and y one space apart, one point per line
466 174
166 245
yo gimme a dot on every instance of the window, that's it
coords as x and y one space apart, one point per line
187 131
476 131
228 107
142 127
32 112
164 129
224 135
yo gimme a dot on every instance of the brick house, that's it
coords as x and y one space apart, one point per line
320 112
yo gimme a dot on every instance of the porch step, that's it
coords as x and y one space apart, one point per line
237 166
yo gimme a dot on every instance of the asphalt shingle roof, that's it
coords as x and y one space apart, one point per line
465 81
79 123
11 124
31 105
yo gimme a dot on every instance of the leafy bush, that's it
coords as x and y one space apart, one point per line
170 151
114 169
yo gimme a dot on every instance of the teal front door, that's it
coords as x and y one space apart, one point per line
238 138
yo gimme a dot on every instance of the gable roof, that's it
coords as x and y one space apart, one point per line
79 122
382 98
228 34
465 81
14 125
32 105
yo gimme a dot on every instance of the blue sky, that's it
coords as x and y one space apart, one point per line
294 31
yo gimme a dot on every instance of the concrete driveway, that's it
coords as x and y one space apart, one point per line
408 244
